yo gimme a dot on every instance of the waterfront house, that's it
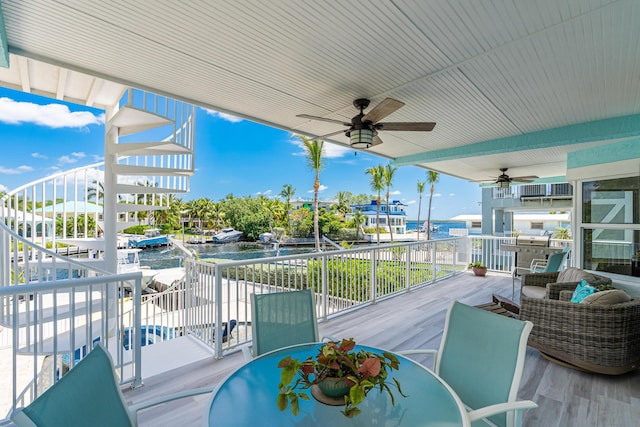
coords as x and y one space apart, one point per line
397 216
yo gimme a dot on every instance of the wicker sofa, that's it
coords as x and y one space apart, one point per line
597 338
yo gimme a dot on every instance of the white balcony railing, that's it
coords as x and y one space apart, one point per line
51 326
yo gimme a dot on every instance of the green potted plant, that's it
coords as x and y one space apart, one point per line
338 375
478 268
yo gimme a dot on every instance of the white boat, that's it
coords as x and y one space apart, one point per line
151 239
267 237
227 235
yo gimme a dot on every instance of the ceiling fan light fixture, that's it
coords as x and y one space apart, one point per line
361 138
503 184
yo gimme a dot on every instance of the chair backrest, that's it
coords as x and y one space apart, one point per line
281 319
87 395
482 357
556 261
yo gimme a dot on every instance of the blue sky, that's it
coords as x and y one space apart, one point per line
41 136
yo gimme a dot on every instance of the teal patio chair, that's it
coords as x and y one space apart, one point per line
481 357
553 264
89 395
281 319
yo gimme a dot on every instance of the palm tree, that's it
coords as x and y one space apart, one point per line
387 177
313 149
377 185
358 219
287 192
420 191
432 178
343 199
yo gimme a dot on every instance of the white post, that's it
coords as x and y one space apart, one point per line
110 196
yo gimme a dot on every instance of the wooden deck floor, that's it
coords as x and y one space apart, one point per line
415 320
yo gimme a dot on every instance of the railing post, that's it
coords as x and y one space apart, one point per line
137 324
408 266
433 260
217 345
325 290
372 276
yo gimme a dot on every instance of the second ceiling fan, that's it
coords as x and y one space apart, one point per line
363 129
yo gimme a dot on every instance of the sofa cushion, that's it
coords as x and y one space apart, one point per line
610 297
573 274
534 291
583 290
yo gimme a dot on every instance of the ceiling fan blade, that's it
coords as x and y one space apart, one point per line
382 110
376 141
416 126
323 119
521 178
330 134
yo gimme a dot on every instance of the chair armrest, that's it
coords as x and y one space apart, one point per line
554 289
499 408
163 399
565 295
539 279
246 352
420 351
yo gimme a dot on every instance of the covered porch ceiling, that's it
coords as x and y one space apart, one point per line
518 85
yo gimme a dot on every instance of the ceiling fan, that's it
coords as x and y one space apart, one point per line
363 129
504 180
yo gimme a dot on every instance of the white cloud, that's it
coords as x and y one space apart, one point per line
411 202
38 155
329 150
72 158
3 188
322 188
264 193
437 194
51 115
395 193
223 116
452 194
15 171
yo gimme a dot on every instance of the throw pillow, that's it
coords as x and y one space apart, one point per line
614 296
583 290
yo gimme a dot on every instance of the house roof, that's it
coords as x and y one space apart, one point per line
542 88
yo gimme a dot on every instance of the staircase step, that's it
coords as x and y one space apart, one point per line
143 189
131 120
130 170
148 149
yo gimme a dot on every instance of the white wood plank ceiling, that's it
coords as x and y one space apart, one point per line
482 70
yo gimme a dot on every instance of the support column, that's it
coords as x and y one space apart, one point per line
487 211
110 197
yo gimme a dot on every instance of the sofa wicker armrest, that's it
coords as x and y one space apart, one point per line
600 338
565 295
554 289
539 279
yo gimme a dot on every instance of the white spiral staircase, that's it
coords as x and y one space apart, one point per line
59 227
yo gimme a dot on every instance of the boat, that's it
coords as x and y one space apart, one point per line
267 237
151 239
227 235
426 227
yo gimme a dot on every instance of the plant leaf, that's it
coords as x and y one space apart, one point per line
283 402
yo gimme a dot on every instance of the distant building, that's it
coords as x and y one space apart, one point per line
397 215
525 223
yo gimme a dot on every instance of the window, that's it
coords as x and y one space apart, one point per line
611 225
537 226
476 224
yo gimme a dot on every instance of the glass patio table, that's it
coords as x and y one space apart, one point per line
248 397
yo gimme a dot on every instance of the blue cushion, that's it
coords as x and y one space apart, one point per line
583 290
